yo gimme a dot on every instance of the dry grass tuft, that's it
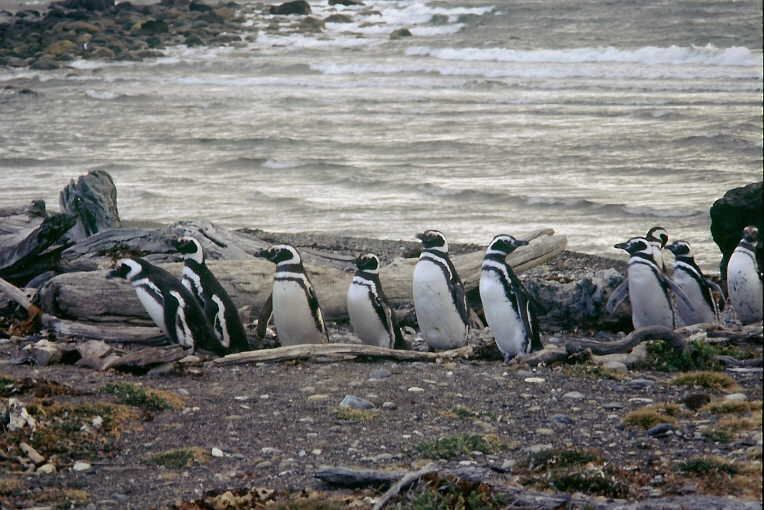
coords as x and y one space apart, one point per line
716 381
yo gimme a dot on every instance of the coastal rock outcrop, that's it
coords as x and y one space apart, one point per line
738 208
293 7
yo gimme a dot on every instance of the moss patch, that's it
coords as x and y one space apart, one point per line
559 458
592 371
707 466
600 482
731 407
652 415
436 492
145 398
460 445
180 458
663 357
710 380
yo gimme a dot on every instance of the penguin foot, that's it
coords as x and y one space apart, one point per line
509 357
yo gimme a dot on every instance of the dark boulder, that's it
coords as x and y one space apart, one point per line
293 7
400 33
93 200
338 18
345 2
738 208
87 5
199 7
153 26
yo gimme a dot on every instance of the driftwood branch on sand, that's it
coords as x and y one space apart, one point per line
90 297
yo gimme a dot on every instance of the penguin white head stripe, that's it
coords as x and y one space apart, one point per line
680 249
190 248
128 269
635 245
657 235
368 262
751 234
281 254
504 244
433 239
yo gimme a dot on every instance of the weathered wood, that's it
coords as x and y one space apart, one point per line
628 342
90 297
108 332
312 351
403 483
92 200
342 476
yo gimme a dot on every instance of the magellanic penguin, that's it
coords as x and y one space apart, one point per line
296 312
439 299
169 304
370 314
507 306
220 311
647 288
744 284
699 290
658 237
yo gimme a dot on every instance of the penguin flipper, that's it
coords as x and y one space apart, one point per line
457 291
171 305
266 313
398 340
315 308
617 297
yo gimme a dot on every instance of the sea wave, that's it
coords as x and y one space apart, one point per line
674 55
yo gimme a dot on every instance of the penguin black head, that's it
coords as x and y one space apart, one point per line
751 234
657 235
127 269
368 263
190 248
504 244
680 249
433 239
281 254
635 245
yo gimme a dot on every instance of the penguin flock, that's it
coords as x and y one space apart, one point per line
196 312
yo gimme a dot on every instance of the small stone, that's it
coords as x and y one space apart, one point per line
616 366
81 466
543 431
400 33
508 464
18 417
562 419
268 450
46 469
640 383
318 397
353 402
576 395
31 453
695 401
534 380
379 373
264 464
538 448
611 406
661 430
416 389
389 405
736 396
217 452
97 422
317 451
641 400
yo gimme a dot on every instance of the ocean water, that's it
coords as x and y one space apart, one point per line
599 118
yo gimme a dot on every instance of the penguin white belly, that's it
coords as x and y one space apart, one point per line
436 313
153 308
364 319
744 287
506 325
292 316
701 311
649 305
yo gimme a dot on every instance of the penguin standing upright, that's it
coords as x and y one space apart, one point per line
296 312
658 237
370 314
647 288
744 284
506 303
170 305
439 299
214 300
699 290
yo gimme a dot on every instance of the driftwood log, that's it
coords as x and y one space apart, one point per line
90 297
92 200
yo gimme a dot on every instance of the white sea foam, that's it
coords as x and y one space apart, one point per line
673 55
103 95
307 42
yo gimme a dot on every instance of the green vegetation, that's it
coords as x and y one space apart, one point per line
707 466
591 481
709 380
463 444
559 458
663 357
732 406
138 396
438 493
591 371
180 458
652 415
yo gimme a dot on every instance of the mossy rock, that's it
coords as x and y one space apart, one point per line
60 47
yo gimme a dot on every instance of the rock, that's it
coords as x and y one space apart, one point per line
575 395
338 18
31 453
544 431
400 34
293 7
612 406
538 448
46 469
661 430
616 366
416 389
640 383
736 396
345 2
81 26
87 5
353 402
45 63
81 466
637 356
562 419
93 200
97 422
318 397
389 405
151 27
534 380
18 417
199 7
311 25
102 53
738 208
44 353
695 401
217 452
379 373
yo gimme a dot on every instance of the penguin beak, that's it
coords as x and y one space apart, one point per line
620 246
262 253
521 242
111 274
420 236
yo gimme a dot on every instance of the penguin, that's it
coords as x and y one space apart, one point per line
744 284
172 308
439 299
296 312
688 277
506 303
370 314
647 288
658 237
220 311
